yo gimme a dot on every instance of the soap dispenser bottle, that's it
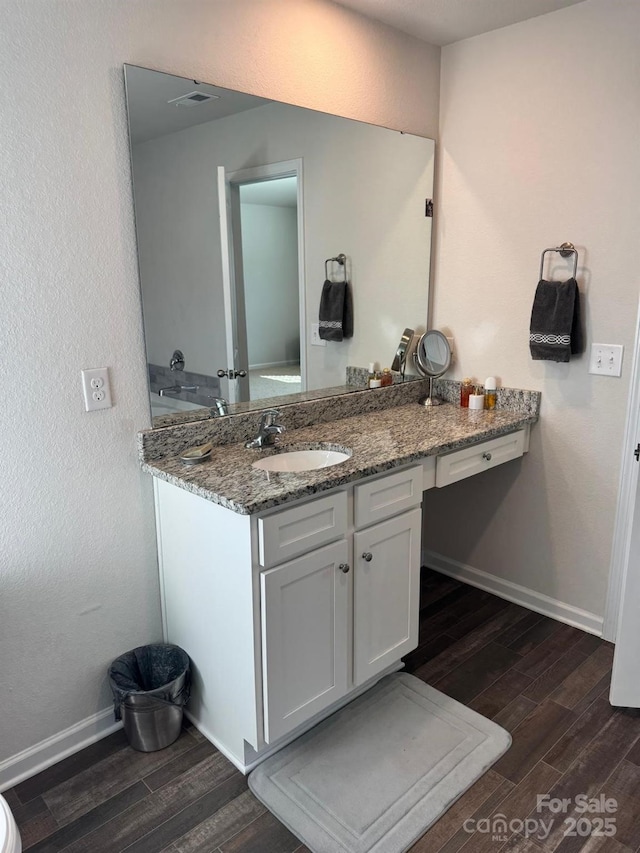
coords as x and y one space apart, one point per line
374 380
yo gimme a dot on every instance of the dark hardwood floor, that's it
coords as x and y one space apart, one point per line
545 682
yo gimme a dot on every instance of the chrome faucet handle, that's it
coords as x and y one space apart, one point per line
220 406
268 418
177 361
267 430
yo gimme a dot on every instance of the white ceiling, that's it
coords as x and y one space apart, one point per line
150 114
441 22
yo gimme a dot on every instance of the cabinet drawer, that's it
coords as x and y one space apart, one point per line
479 457
294 531
387 496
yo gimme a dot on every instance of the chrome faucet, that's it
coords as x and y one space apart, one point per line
220 407
267 431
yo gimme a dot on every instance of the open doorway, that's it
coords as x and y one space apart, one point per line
269 238
261 221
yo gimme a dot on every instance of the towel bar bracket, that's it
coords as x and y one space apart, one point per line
565 250
339 259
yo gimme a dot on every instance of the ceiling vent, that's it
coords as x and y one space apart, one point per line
193 99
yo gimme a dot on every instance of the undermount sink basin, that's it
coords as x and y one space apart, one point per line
302 460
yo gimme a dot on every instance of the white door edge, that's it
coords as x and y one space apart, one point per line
226 254
626 501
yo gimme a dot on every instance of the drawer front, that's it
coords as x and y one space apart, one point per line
387 496
479 457
294 531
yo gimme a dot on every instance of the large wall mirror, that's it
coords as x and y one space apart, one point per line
239 203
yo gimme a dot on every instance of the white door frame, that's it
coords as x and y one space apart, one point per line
269 171
623 528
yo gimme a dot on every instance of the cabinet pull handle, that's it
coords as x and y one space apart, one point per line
368 556
344 568
486 456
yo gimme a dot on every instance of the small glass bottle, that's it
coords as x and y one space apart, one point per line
465 389
490 393
387 378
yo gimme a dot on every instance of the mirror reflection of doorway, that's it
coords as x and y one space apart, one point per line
270 280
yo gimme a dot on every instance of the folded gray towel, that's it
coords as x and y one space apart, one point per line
555 333
336 311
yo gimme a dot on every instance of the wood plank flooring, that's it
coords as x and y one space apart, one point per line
545 682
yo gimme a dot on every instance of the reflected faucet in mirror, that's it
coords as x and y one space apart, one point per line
235 199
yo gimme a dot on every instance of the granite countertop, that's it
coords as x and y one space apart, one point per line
380 441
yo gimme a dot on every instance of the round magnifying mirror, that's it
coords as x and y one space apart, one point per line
432 358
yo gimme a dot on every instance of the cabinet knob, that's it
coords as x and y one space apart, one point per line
344 568
486 456
368 556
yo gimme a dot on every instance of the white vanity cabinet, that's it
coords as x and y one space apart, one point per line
291 613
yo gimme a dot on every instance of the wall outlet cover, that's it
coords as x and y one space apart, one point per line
96 389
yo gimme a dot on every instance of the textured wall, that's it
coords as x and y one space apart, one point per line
539 144
78 581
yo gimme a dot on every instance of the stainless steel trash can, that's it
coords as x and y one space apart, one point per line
150 686
150 723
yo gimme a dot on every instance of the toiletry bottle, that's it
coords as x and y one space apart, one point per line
387 378
374 378
476 399
465 390
490 393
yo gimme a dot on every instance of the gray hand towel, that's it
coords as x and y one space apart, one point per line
555 332
336 311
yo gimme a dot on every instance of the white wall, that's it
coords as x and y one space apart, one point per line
540 124
78 581
271 286
178 235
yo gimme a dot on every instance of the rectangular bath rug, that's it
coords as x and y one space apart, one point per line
375 775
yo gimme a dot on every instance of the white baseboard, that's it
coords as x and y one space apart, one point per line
272 364
30 761
522 595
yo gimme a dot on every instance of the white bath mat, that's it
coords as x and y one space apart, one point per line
379 772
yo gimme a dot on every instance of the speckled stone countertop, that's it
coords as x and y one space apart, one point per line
379 441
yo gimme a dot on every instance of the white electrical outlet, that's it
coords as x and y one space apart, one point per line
606 359
316 340
96 390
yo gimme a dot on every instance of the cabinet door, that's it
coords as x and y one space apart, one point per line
386 593
304 637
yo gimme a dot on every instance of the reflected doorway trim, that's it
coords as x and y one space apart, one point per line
228 183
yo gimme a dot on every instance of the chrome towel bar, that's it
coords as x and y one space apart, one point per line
339 259
565 250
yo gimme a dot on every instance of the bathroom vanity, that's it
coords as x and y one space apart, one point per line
292 593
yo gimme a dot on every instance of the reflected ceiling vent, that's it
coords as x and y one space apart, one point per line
193 99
